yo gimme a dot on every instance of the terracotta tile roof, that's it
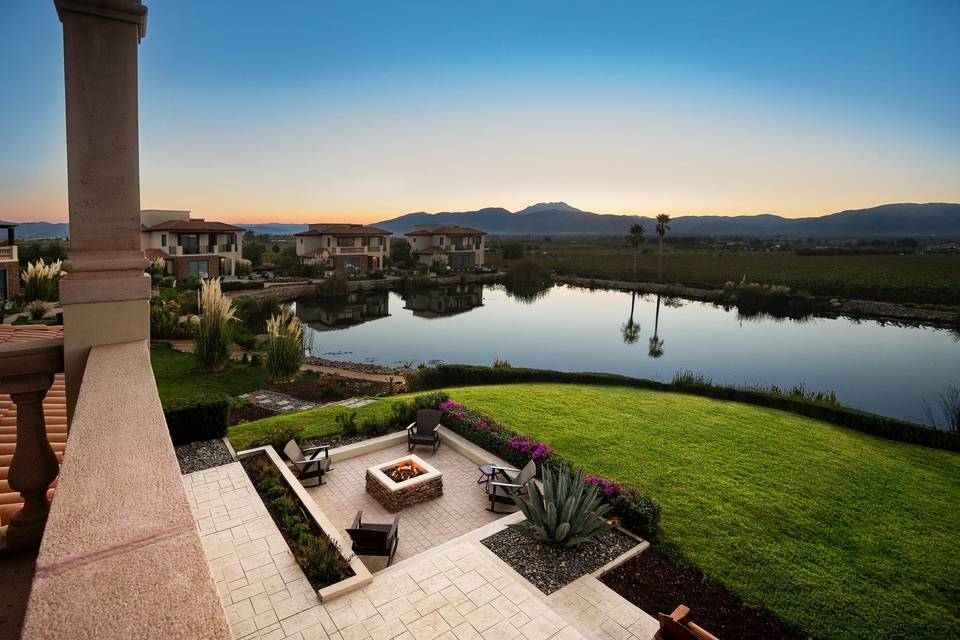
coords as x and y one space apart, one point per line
447 230
345 230
54 413
432 249
193 225
150 254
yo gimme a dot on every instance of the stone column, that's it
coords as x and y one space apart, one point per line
106 293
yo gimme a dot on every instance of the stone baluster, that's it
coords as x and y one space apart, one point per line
26 374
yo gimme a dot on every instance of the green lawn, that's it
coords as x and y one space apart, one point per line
315 423
178 377
842 534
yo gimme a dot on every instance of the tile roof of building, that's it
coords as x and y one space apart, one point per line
151 254
431 249
345 230
54 413
193 225
447 230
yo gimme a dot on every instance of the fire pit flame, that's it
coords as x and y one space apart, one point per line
404 471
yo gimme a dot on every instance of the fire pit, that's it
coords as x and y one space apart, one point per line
403 482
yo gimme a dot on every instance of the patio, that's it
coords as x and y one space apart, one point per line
461 509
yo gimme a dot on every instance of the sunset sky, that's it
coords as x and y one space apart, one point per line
309 111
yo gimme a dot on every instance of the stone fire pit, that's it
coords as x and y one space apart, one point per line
403 482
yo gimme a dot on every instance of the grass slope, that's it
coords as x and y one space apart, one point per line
841 534
315 423
179 378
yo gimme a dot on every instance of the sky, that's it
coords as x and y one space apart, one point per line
302 111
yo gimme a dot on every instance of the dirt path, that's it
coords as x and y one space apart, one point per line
348 373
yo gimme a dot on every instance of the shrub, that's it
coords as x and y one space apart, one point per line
165 321
402 414
195 419
243 267
431 400
483 431
332 287
278 435
376 426
459 375
512 251
37 309
347 421
255 359
213 327
320 560
246 340
41 280
241 285
254 312
567 512
284 345
501 363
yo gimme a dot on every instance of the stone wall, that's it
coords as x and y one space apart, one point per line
10 270
394 501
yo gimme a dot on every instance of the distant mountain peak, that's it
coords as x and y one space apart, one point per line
548 206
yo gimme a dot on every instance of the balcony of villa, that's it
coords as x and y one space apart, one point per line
200 250
359 250
8 252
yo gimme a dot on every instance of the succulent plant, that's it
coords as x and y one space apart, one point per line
566 512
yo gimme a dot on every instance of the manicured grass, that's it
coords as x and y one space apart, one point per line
178 376
933 279
315 423
839 533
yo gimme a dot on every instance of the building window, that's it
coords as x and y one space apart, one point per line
328 241
344 242
190 242
163 239
198 269
442 238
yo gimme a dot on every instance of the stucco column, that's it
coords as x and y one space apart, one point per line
106 293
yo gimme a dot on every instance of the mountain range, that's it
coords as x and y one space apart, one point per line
930 220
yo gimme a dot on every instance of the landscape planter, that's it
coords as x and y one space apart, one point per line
361 575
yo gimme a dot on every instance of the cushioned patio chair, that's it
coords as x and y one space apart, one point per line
375 539
308 467
506 483
424 430
676 626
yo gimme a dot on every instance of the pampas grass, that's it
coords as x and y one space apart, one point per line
285 345
40 280
213 325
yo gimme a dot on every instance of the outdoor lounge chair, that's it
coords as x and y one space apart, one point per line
676 627
313 467
506 483
424 430
374 539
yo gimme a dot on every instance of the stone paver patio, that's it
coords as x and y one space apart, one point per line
458 590
461 509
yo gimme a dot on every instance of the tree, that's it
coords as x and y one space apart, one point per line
663 225
400 251
253 249
512 251
635 238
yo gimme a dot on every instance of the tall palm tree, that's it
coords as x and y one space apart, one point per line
631 330
635 238
663 225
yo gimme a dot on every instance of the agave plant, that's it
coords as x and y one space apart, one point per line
567 512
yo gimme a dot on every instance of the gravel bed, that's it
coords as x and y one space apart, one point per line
359 367
550 568
202 454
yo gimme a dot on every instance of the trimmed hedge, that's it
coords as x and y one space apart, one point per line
240 285
460 375
197 419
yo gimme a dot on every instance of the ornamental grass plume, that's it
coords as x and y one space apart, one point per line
40 280
213 325
285 345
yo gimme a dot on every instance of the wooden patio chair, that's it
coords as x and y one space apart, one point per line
424 430
676 626
313 467
506 483
374 539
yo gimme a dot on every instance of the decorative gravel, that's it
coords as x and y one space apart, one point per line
550 568
203 454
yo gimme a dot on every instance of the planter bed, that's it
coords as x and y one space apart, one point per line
203 454
550 568
321 558
655 584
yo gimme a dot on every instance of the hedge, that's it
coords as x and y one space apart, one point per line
240 285
197 418
460 375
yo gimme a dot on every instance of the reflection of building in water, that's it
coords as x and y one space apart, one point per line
351 309
444 301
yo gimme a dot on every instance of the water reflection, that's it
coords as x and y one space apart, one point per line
655 349
444 301
339 313
631 330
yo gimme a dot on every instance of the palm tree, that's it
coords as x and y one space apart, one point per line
635 238
631 330
656 343
663 225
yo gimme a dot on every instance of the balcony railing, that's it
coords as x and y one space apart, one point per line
121 554
358 250
8 252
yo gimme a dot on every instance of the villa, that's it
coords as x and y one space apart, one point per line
463 246
190 246
9 264
349 247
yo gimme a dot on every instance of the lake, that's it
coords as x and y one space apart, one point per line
879 367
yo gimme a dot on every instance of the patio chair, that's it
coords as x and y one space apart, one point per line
374 539
313 467
676 626
424 430
511 483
